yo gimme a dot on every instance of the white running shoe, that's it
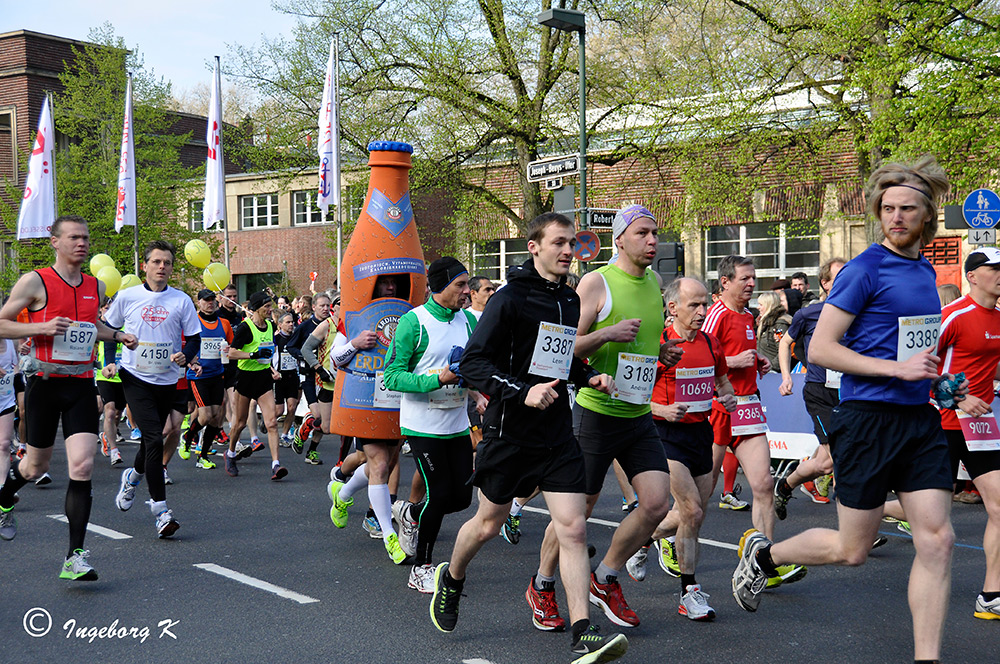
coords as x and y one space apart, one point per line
729 501
116 457
78 568
694 604
166 524
126 492
422 579
408 530
636 565
166 478
986 610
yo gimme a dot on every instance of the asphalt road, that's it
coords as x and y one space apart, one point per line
335 595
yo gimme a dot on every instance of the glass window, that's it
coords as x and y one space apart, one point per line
258 210
305 211
777 249
196 216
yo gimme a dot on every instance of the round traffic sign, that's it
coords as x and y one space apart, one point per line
981 209
587 246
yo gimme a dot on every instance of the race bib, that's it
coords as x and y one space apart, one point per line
211 348
153 356
553 352
385 398
748 418
833 379
981 433
288 362
917 334
76 344
7 385
447 396
634 378
694 387
264 346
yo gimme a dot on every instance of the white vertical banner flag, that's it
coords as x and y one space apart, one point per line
38 207
328 145
125 209
214 209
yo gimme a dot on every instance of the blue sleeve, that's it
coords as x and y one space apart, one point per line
854 286
798 321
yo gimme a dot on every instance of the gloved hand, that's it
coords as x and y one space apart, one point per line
324 374
454 358
262 354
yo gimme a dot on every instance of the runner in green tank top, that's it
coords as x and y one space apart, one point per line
621 321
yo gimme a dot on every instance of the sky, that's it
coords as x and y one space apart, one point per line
177 39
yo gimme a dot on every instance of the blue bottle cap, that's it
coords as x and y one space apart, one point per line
390 146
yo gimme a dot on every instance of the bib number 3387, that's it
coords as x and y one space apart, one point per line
553 352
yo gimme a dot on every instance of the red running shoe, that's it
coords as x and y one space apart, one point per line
809 488
544 610
609 597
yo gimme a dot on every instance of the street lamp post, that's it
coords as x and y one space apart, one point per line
571 20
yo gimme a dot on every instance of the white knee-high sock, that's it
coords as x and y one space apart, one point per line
355 482
378 496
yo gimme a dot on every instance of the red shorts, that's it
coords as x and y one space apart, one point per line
722 435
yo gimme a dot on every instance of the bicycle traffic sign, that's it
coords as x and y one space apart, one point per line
981 209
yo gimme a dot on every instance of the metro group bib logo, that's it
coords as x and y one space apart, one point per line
154 315
385 330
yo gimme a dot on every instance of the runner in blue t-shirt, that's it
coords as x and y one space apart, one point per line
879 327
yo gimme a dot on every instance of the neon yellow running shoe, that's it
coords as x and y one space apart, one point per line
394 550
338 513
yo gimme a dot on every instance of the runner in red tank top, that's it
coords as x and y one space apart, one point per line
62 306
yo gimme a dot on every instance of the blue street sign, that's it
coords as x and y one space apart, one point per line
587 246
982 209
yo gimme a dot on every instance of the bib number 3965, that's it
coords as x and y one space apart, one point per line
553 352
76 344
917 334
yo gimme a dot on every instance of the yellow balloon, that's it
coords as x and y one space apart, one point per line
198 253
128 281
216 276
112 279
100 261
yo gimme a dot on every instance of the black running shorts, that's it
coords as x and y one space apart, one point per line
112 393
977 463
879 447
688 444
633 441
68 398
820 402
505 471
287 387
254 384
209 391
324 395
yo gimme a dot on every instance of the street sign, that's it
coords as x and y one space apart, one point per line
587 246
554 183
982 209
982 236
546 169
602 217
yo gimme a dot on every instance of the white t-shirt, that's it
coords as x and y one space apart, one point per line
477 314
8 362
158 320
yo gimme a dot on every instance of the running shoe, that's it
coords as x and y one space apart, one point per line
231 468
183 449
126 491
444 603
285 440
407 529
787 574
166 524
77 568
186 422
277 472
302 433
222 438
21 451
594 648
608 596
694 604
119 438
371 526
667 555
421 579
628 508
881 540
338 513
636 565
8 524
116 457
394 550
166 478
255 444
204 464
312 458
904 527
987 610
781 498
544 609
969 498
729 501
749 579
104 444
136 434
511 529
243 450
809 488
43 480
822 484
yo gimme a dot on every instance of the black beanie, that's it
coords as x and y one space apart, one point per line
442 272
258 299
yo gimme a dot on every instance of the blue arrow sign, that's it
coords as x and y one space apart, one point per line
982 209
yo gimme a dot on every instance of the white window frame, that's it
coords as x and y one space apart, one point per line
269 220
766 275
196 215
312 215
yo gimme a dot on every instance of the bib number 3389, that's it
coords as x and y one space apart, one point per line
553 352
917 334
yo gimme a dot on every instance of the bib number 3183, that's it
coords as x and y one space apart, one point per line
634 378
553 352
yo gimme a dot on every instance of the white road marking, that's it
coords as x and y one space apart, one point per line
615 524
256 583
476 661
97 530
